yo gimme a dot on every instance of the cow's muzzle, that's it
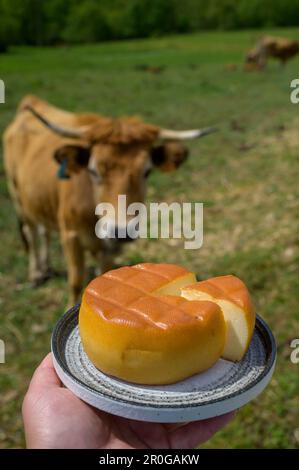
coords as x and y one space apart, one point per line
123 235
111 233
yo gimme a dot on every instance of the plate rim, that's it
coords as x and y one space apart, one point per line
260 324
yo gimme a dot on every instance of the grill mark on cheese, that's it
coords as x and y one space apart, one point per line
234 290
176 271
158 310
116 297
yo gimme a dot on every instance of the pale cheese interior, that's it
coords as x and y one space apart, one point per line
237 331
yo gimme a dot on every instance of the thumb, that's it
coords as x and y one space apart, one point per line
44 377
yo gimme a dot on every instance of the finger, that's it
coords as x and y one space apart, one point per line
45 376
198 432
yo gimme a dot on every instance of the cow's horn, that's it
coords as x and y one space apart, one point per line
63 131
185 135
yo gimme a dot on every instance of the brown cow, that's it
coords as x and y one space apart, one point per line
280 48
98 158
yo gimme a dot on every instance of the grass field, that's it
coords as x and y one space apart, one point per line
247 175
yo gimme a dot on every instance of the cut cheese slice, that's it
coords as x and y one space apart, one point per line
231 294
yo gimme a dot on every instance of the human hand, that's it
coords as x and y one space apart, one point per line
54 418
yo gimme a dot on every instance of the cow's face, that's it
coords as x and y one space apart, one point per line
118 155
125 170
120 170
114 171
252 58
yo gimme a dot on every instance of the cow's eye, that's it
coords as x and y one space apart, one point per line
94 175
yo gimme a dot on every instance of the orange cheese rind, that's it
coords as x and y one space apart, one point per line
135 326
154 324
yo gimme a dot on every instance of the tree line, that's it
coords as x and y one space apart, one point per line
54 22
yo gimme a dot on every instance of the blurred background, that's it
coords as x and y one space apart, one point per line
178 65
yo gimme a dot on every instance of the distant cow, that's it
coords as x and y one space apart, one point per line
280 48
60 165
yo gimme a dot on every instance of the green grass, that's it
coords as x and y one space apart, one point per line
251 196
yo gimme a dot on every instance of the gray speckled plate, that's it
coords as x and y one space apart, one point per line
224 387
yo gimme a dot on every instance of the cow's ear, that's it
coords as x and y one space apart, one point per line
71 159
168 156
158 155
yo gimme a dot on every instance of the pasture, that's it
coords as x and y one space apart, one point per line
247 176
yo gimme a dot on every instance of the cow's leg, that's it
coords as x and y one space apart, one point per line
74 256
35 273
44 235
29 235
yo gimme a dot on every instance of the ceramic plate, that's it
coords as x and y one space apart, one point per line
224 387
